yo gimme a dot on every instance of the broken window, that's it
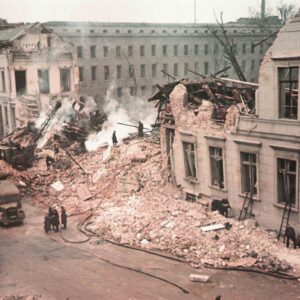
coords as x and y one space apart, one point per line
65 80
142 50
154 70
130 50
189 160
216 166
119 71
175 69
79 52
43 76
80 73
93 51
105 51
119 92
106 72
186 49
196 49
143 71
164 50
288 92
118 50
175 50
94 72
248 173
20 82
131 71
153 50
3 83
286 181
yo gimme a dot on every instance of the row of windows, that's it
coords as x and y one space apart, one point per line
133 90
286 172
168 50
144 72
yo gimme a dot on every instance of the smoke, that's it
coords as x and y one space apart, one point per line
128 110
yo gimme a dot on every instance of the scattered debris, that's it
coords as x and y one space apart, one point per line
199 278
212 227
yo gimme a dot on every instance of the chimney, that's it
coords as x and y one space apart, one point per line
263 9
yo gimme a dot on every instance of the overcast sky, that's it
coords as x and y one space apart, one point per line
181 11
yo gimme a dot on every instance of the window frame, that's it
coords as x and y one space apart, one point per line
213 176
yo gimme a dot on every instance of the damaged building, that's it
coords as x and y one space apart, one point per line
223 138
36 68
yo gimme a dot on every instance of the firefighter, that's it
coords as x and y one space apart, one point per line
63 217
140 129
114 139
290 234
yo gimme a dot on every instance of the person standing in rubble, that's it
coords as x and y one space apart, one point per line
140 129
55 220
63 217
290 234
49 162
114 139
47 223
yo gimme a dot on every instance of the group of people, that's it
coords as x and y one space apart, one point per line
290 235
51 222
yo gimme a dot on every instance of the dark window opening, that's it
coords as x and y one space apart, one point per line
190 197
186 49
164 50
94 72
20 82
79 52
6 115
105 51
189 160
130 50
170 133
106 72
175 50
165 69
1 122
153 50
118 51
196 49
132 91
154 70
43 76
205 49
131 71
186 69
288 92
142 50
286 181
13 117
206 68
80 73
3 83
119 72
65 81
249 173
175 69
216 167
93 51
49 41
143 71
119 92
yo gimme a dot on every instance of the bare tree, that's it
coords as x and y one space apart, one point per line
285 11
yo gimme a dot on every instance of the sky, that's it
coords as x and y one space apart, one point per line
165 11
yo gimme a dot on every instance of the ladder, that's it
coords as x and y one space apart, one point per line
246 211
285 219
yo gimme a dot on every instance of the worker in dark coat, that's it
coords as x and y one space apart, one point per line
290 234
55 220
140 129
63 217
51 218
225 206
114 139
49 162
47 223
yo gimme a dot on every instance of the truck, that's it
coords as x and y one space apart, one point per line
11 212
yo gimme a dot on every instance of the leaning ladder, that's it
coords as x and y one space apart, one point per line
246 211
285 219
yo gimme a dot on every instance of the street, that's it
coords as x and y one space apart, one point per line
33 263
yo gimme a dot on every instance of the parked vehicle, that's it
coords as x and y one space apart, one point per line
11 212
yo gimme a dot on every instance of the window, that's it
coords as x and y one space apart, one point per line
164 50
248 173
189 160
186 49
154 70
165 69
132 91
65 80
261 49
143 71
206 49
119 71
196 49
131 71
20 82
216 49
216 167
80 73
244 48
286 181
119 92
196 67
13 116
118 50
175 69
153 50
78 30
6 115
105 51
106 72
143 89
79 52
92 31
43 76
94 72
104 30
234 49
142 50
175 50
186 69
93 51
252 65
3 83
243 65
1 122
288 92
130 50
206 68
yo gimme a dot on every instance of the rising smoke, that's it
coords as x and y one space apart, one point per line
127 110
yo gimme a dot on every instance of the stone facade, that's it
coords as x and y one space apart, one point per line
36 67
267 142
130 56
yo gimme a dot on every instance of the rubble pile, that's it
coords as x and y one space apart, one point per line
133 204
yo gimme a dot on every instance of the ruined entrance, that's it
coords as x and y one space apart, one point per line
20 82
